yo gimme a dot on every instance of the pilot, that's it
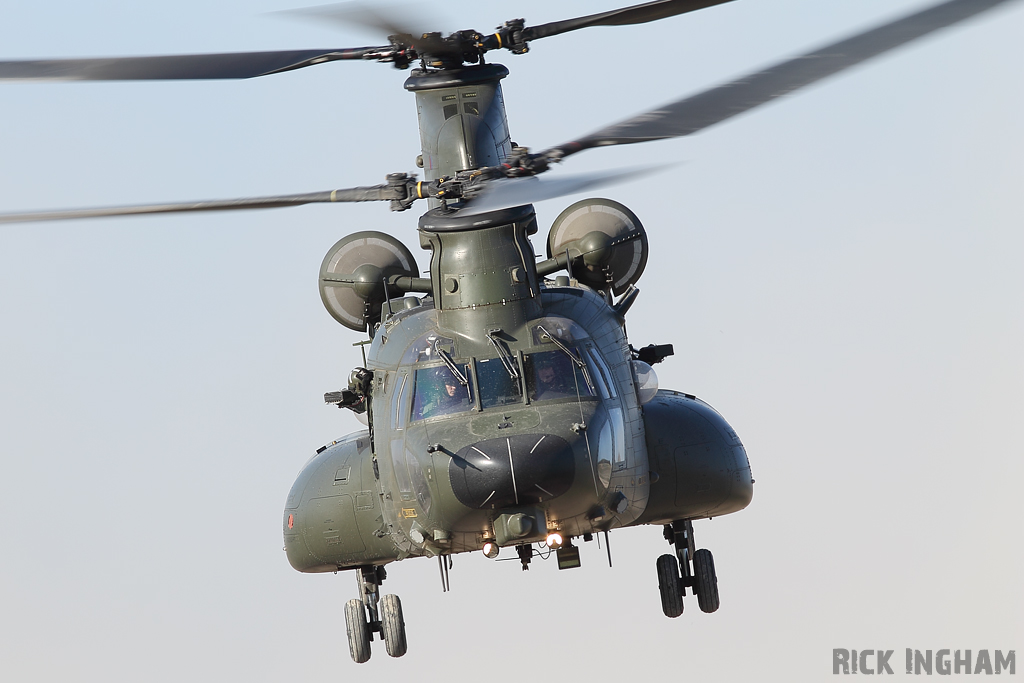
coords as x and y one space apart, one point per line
449 396
553 379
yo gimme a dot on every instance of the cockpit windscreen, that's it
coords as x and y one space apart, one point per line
439 392
497 386
553 374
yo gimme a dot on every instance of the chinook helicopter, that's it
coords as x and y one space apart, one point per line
505 405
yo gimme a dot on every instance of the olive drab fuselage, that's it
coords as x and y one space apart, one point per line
582 458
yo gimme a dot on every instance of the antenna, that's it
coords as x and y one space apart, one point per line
387 297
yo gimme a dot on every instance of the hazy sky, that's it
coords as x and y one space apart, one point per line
839 273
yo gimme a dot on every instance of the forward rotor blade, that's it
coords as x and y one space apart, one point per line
175 67
695 113
504 194
355 194
637 14
402 20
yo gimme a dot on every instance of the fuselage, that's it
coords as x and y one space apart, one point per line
508 397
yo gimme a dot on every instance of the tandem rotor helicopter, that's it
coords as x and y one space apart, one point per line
504 402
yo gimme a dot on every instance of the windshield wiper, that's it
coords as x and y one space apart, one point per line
572 356
504 355
450 363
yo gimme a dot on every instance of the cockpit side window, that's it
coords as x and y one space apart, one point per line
439 392
398 405
497 386
603 376
552 374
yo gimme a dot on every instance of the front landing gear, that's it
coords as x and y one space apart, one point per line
392 625
706 581
358 630
702 580
670 586
370 613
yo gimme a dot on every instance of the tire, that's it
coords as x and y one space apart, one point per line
393 625
707 581
668 585
358 631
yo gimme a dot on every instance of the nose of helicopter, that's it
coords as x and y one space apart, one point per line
520 469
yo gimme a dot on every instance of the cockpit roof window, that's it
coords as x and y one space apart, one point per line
565 330
422 350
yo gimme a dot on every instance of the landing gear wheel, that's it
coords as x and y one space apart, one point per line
669 585
393 625
706 581
358 631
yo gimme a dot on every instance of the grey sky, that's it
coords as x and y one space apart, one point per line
839 273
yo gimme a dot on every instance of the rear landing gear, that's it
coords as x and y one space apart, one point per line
370 613
672 583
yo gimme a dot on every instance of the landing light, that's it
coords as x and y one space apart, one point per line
554 540
490 549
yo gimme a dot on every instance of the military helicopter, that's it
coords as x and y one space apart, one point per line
504 408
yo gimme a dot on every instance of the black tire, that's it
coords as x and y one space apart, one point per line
707 581
393 625
358 631
668 584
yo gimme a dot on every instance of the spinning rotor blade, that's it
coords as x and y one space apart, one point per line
176 67
504 194
410 23
406 22
355 194
637 14
697 112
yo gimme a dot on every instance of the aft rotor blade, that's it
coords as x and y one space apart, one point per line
637 14
176 67
506 193
695 113
355 194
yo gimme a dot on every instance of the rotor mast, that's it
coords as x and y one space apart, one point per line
462 119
